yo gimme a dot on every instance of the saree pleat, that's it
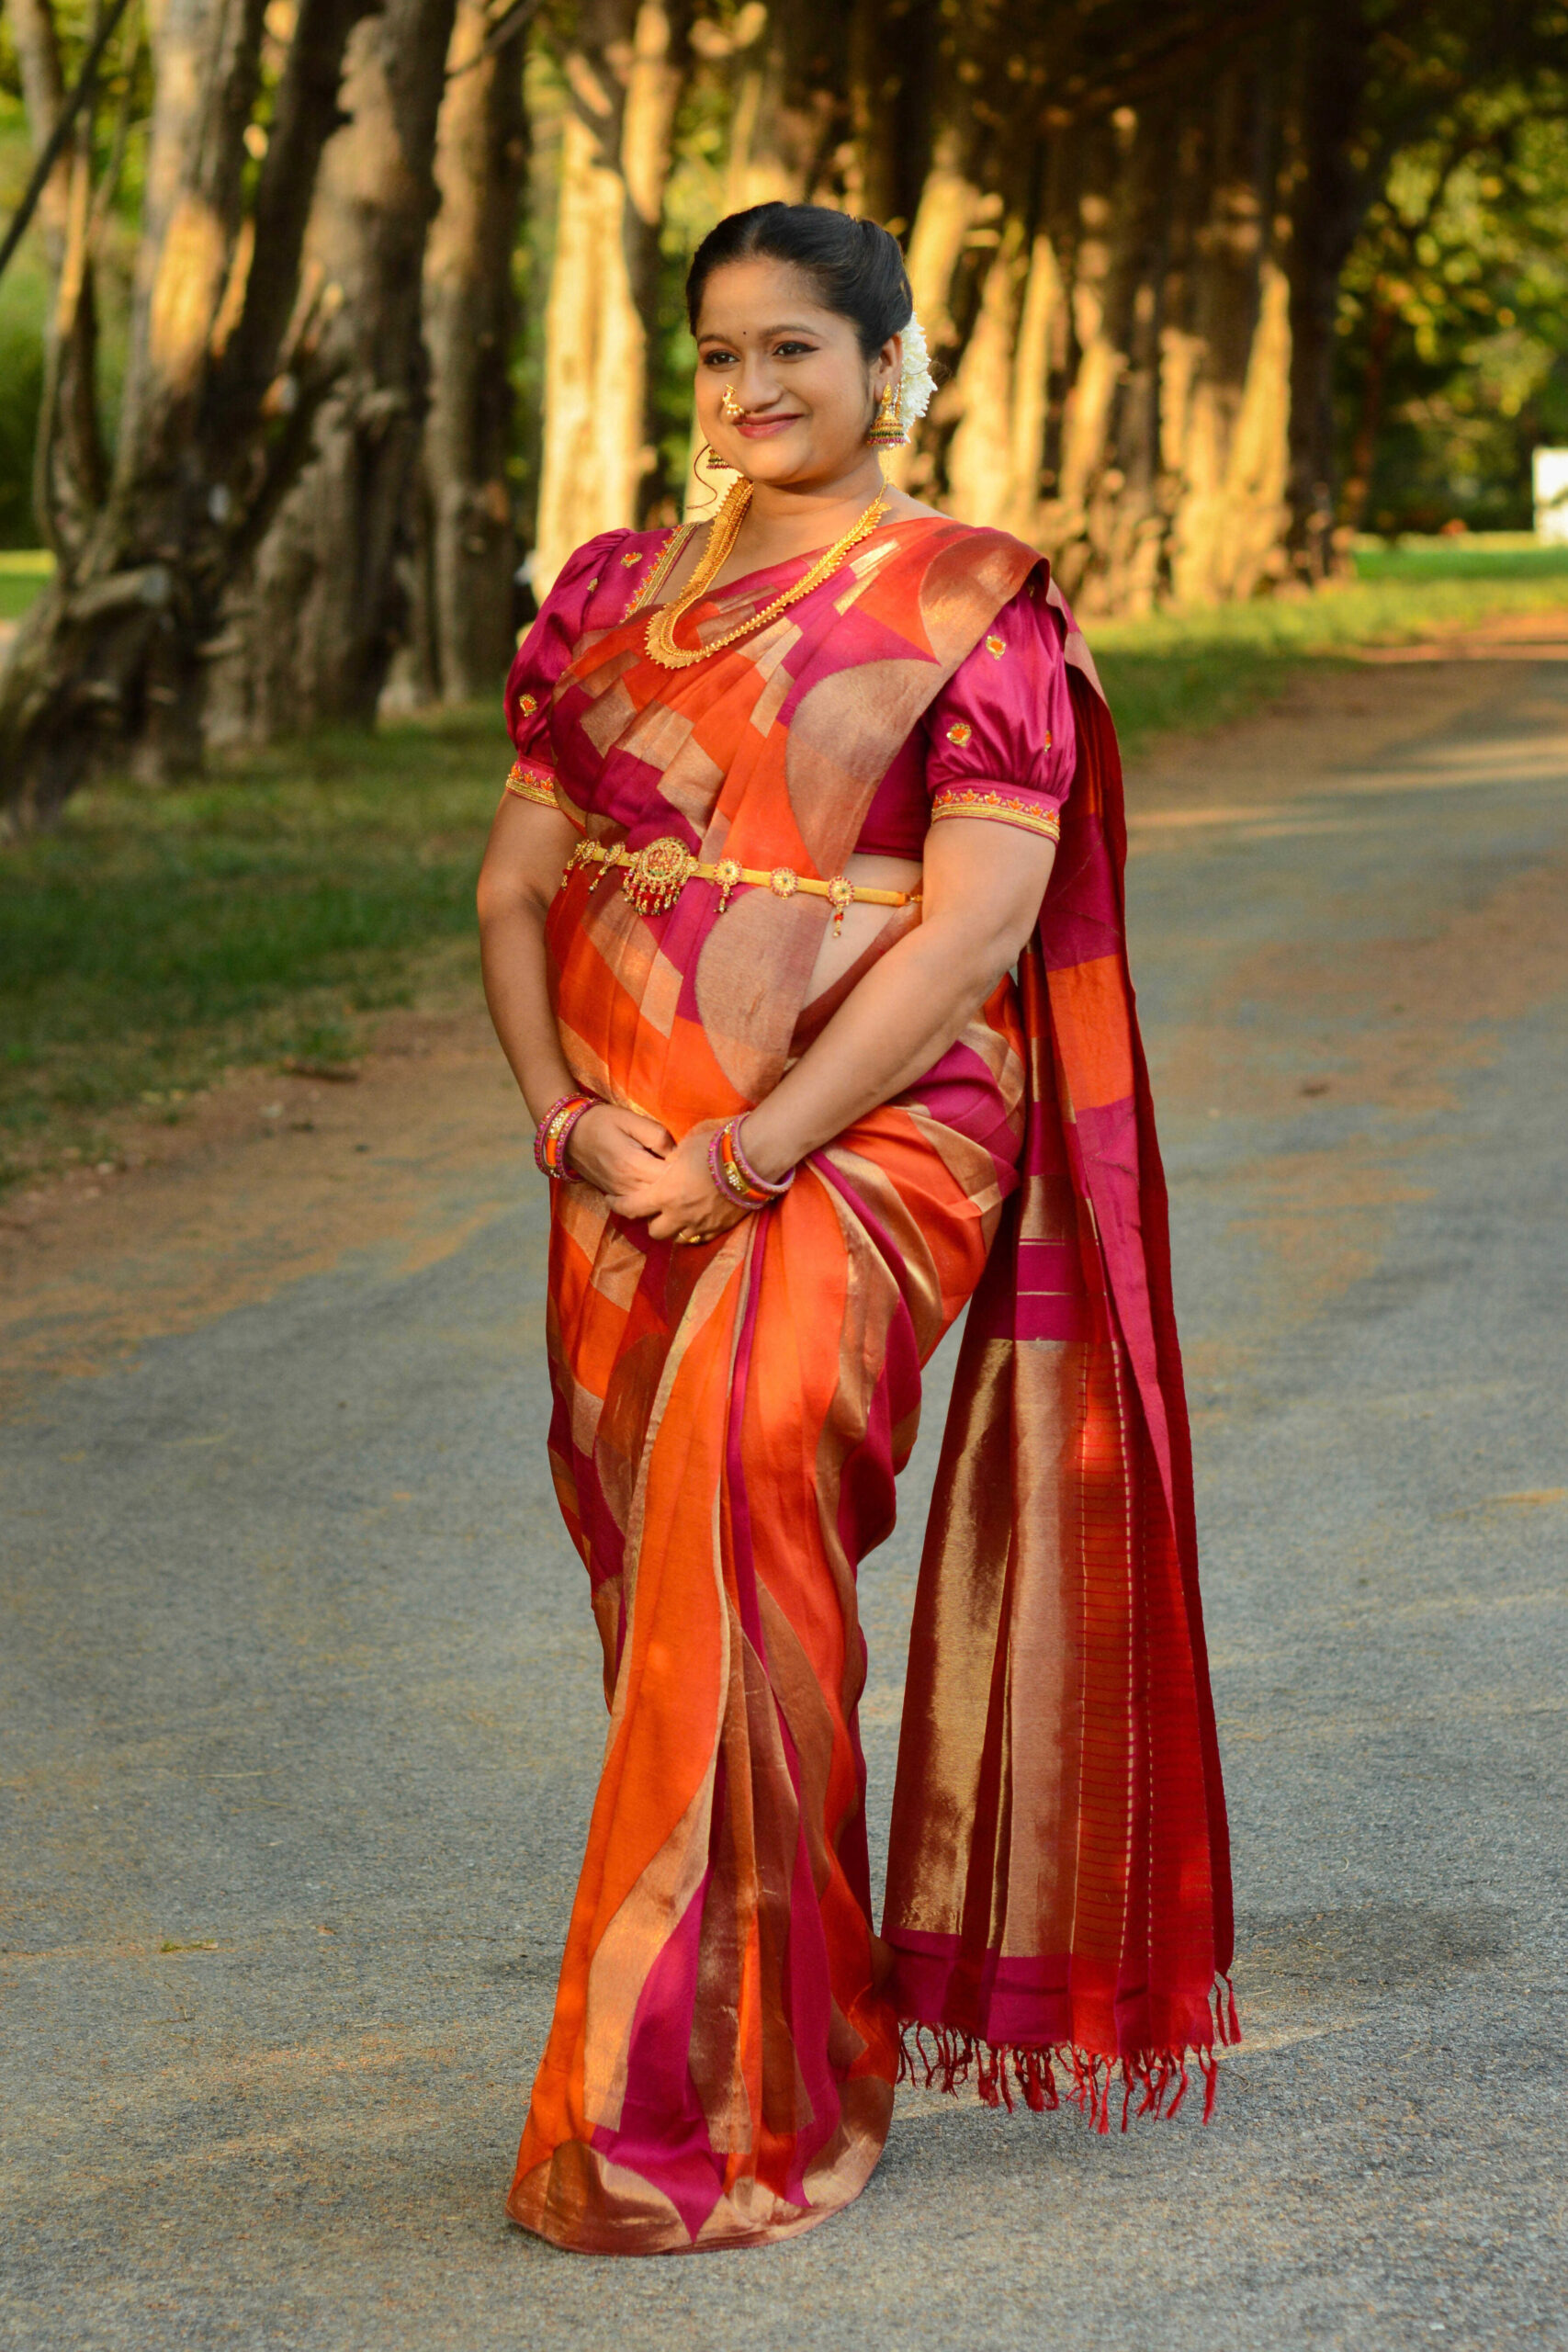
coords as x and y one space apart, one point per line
730 1421
721 2061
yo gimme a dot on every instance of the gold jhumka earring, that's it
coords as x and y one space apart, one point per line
886 427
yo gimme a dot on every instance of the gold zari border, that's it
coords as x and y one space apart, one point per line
962 800
532 784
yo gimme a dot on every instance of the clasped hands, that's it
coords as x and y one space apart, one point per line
646 1176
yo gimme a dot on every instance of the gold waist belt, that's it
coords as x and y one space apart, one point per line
653 878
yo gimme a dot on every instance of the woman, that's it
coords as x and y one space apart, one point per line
788 801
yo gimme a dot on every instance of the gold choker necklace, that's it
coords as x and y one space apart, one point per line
723 531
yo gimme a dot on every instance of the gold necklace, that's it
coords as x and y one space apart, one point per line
723 531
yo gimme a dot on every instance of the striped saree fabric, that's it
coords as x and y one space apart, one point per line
728 1423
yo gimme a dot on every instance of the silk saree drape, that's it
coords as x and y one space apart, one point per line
728 1423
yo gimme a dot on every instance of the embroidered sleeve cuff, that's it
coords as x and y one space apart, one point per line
1006 808
531 782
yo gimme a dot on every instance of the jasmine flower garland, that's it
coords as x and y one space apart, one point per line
915 384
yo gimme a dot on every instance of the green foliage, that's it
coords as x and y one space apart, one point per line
23 571
119 149
21 390
158 938
24 295
1454 317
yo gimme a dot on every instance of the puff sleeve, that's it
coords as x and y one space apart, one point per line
538 667
1000 738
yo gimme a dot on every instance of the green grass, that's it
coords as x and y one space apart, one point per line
23 571
1196 668
1480 555
158 939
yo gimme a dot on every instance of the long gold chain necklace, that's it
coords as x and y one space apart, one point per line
723 532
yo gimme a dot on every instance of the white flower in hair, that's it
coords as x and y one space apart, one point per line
914 385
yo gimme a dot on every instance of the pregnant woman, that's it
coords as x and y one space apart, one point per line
797 791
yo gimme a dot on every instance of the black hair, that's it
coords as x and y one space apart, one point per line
856 267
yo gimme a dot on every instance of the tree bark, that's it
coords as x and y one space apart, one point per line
623 77
983 458
469 317
1226 356
221 382
1380 335
69 470
1329 195
312 631
786 107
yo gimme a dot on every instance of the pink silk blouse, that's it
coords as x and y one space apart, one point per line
997 741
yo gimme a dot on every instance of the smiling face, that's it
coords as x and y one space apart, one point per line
797 371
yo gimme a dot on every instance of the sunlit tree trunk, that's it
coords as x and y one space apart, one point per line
1226 360
623 75
983 456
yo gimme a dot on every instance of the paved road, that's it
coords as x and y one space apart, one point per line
302 1699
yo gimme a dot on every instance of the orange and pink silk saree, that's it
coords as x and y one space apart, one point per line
730 1420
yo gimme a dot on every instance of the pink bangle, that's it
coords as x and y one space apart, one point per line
730 1176
554 1132
762 1184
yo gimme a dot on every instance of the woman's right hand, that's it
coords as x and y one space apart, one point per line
615 1148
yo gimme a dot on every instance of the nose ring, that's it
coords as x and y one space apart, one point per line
730 407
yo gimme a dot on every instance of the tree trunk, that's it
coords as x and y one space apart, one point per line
785 108
69 470
624 83
952 204
1333 51
1088 403
1368 420
221 384
1041 328
313 629
1227 351
982 458
481 154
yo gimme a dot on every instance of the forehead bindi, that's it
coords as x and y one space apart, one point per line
751 302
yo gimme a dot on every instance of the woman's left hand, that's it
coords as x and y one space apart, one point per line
679 1198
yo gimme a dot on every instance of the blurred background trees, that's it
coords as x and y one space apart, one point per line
330 313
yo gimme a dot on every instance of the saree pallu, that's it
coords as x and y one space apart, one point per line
728 1423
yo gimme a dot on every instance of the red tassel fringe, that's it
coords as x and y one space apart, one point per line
1160 2076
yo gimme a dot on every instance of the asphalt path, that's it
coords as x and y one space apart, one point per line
301 1707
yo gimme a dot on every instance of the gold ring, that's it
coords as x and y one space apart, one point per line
688 1238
